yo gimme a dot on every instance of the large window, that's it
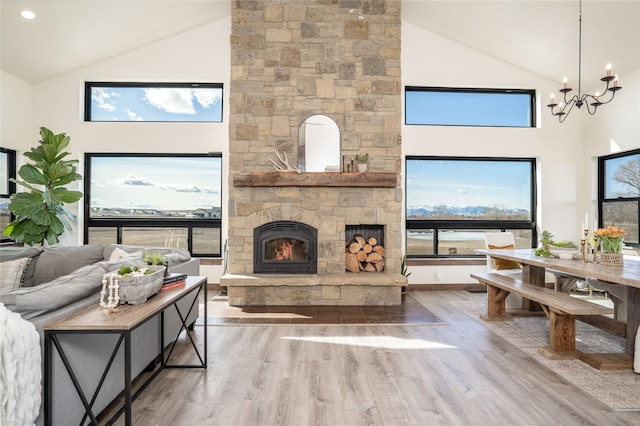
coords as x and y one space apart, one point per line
452 202
164 200
619 193
7 171
445 106
153 102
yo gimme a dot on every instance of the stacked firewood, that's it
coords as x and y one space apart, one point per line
364 254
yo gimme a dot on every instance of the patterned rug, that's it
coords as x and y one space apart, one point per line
620 390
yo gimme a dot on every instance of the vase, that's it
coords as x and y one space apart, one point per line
611 259
362 167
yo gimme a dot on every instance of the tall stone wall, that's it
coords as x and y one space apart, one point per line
294 59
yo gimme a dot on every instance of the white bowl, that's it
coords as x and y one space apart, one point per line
564 252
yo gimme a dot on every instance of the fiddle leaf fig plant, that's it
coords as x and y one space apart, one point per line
40 212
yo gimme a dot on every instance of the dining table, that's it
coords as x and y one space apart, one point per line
626 277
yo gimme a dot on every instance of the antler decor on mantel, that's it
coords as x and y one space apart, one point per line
285 167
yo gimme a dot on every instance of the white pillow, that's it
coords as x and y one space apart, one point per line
12 274
118 253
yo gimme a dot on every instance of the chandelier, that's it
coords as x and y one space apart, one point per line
592 102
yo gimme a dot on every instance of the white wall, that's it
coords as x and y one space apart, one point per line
199 55
431 60
16 113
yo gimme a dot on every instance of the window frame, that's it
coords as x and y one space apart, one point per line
127 222
488 225
89 85
473 90
11 186
602 191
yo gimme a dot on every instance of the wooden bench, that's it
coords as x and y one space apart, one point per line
560 308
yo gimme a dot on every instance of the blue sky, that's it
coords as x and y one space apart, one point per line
614 188
468 183
168 183
156 104
468 108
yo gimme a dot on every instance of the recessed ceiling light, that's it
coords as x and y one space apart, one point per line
27 14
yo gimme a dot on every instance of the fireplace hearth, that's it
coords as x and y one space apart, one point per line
285 247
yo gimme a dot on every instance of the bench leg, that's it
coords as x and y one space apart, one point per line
562 337
496 304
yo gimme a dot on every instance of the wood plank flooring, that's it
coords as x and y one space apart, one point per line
457 373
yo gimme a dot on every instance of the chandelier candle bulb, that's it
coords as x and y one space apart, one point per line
615 81
608 70
565 80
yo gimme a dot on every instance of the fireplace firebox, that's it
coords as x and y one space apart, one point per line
285 247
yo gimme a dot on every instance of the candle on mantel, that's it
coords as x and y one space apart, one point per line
595 225
582 227
586 221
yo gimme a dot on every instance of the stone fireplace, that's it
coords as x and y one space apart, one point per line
289 61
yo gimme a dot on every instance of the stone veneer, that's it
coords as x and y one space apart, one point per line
291 60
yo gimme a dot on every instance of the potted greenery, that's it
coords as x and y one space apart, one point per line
156 259
404 271
362 160
40 212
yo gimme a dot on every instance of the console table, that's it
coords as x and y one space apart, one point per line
94 320
627 276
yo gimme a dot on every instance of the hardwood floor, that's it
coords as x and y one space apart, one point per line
457 373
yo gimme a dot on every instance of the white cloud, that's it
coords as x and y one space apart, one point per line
176 101
133 116
207 97
104 98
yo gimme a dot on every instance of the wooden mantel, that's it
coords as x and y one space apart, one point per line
319 179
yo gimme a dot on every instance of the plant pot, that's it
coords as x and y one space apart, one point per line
611 259
362 168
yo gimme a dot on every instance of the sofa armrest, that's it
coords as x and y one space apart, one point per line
190 267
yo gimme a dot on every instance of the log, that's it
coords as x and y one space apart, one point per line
367 248
379 249
354 247
361 256
379 266
360 239
374 257
351 263
372 241
368 267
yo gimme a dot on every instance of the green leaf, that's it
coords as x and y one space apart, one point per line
65 196
26 203
64 180
32 175
43 217
56 226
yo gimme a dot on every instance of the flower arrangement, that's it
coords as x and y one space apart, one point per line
610 238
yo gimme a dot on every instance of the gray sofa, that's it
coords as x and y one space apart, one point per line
58 281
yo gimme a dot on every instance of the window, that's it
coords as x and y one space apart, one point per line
163 200
452 202
7 171
619 193
442 106
190 102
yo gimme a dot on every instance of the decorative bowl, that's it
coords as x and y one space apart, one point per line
136 290
566 253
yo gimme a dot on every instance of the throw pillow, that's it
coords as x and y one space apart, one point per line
12 274
503 263
118 253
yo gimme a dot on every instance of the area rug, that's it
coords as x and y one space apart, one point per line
620 390
409 312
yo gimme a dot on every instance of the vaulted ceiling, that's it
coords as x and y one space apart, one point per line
539 36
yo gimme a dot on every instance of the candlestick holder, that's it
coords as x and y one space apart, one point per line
584 242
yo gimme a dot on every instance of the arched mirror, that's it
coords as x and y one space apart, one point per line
319 145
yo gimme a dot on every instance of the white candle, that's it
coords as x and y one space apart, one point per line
565 80
608 70
595 225
586 220
581 227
